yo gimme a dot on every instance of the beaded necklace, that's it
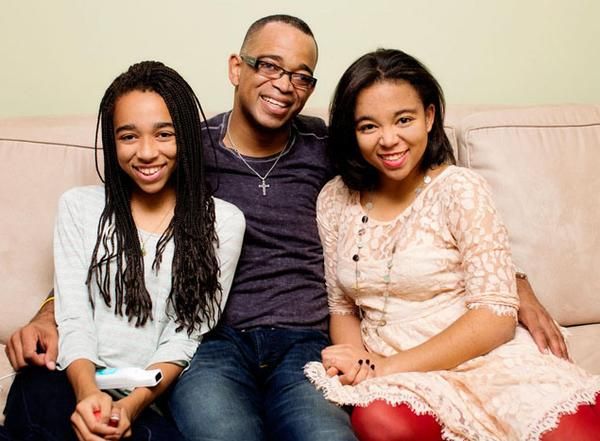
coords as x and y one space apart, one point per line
390 262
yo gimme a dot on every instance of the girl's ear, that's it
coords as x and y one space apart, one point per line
429 117
234 69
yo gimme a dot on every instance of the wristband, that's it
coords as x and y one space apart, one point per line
46 301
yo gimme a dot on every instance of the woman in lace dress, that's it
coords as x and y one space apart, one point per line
421 283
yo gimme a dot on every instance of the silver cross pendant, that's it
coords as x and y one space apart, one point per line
263 185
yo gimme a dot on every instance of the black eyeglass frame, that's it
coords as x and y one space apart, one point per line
255 63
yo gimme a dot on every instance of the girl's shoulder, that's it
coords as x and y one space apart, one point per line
228 213
335 190
461 178
88 195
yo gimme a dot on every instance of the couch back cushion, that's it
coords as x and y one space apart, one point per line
40 158
542 165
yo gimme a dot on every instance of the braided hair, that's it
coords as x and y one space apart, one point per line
195 290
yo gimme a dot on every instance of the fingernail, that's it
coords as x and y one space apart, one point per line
115 417
367 361
373 367
361 362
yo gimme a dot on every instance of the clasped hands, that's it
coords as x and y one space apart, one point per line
353 365
98 417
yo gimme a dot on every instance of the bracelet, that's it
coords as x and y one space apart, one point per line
45 302
520 275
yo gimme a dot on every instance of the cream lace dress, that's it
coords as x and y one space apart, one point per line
452 254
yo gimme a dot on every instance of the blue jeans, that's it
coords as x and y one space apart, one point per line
250 386
40 403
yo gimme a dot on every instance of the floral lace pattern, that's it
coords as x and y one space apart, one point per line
452 254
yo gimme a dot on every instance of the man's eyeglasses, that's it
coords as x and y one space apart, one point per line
274 72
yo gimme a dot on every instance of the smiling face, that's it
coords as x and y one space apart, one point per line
145 141
391 127
271 103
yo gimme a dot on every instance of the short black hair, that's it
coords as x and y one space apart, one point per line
278 18
378 66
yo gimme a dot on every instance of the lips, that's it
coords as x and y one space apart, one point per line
274 106
394 160
274 102
149 174
149 171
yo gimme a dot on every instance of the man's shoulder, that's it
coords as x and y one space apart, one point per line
310 126
215 121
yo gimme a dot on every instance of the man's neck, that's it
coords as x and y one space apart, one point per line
250 140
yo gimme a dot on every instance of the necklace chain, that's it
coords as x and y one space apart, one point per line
263 184
143 241
390 262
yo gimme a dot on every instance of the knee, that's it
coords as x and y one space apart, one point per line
40 403
32 388
381 421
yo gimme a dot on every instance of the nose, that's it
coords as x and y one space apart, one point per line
284 83
389 137
148 150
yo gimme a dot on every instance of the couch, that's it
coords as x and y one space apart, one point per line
541 162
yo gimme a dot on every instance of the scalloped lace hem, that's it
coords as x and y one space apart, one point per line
332 392
501 310
568 407
314 371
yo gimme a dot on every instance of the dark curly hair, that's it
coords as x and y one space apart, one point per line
382 65
195 291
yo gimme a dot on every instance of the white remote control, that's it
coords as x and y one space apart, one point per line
127 378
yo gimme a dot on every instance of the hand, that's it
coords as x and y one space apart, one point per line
354 364
120 416
91 417
35 344
539 323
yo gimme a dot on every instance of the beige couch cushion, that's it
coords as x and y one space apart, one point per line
56 155
542 164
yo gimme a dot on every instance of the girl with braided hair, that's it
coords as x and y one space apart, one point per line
143 264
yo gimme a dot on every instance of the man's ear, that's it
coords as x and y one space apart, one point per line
235 65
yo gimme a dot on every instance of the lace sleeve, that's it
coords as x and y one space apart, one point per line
483 242
330 203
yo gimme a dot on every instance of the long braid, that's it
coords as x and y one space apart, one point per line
195 292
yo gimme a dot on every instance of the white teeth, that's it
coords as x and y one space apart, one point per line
274 102
148 171
393 156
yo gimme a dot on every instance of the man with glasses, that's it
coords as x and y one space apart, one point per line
246 380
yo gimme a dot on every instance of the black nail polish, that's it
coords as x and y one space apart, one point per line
367 361
361 362
372 367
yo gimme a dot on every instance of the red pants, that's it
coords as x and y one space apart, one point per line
380 421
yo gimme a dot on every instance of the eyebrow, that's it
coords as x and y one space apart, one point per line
396 114
279 59
158 125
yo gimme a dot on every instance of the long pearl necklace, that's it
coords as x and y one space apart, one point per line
390 261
